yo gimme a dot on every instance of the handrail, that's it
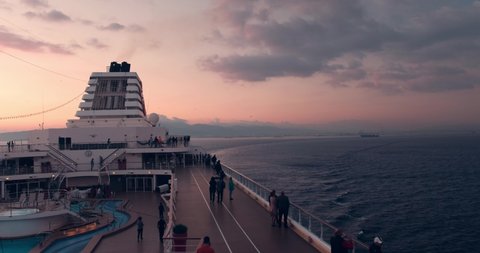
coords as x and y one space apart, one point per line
56 151
60 157
297 211
106 161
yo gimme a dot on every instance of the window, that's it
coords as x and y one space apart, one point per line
113 85
102 87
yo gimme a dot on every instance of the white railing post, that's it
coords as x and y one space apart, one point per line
321 231
310 223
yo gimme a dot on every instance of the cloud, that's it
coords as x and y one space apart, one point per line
245 67
75 45
113 27
136 28
390 46
119 27
11 40
5 6
51 16
36 3
86 22
94 42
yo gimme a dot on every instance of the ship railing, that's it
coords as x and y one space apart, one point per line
170 214
13 170
191 244
18 146
315 226
40 199
95 145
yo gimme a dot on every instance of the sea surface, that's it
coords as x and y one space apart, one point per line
419 193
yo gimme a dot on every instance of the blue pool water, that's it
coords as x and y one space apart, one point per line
71 244
19 245
77 243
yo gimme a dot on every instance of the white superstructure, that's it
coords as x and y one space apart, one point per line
113 98
111 142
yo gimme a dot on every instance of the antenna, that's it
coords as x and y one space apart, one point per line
43 108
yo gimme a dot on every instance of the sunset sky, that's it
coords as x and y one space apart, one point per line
410 63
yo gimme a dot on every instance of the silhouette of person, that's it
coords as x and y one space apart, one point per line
272 200
336 242
161 210
283 206
212 189
205 248
220 188
161 225
376 246
139 229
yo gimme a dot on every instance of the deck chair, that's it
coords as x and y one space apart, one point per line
40 198
22 199
32 197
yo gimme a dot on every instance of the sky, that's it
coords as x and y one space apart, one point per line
404 64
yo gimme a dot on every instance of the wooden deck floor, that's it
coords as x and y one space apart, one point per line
238 225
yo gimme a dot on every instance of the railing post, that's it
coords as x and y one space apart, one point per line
321 231
309 223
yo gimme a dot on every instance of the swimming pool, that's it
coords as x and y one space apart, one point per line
70 244
22 245
77 243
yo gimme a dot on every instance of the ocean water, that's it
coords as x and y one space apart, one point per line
419 193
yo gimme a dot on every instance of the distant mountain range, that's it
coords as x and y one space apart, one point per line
177 126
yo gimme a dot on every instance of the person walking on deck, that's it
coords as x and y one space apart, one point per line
220 188
161 225
161 210
272 200
212 189
231 187
283 206
139 229
205 248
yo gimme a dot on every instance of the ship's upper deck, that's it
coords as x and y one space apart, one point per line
238 225
112 98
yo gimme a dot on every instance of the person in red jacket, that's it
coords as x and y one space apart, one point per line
205 248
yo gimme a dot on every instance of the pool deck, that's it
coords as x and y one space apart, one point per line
238 225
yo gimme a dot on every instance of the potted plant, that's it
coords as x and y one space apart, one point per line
180 238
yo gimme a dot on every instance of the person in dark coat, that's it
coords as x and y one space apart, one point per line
336 242
161 225
376 246
161 210
139 229
212 189
283 204
220 188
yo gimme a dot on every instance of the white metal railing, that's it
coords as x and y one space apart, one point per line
167 246
190 246
311 223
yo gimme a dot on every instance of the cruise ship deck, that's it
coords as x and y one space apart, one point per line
238 225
